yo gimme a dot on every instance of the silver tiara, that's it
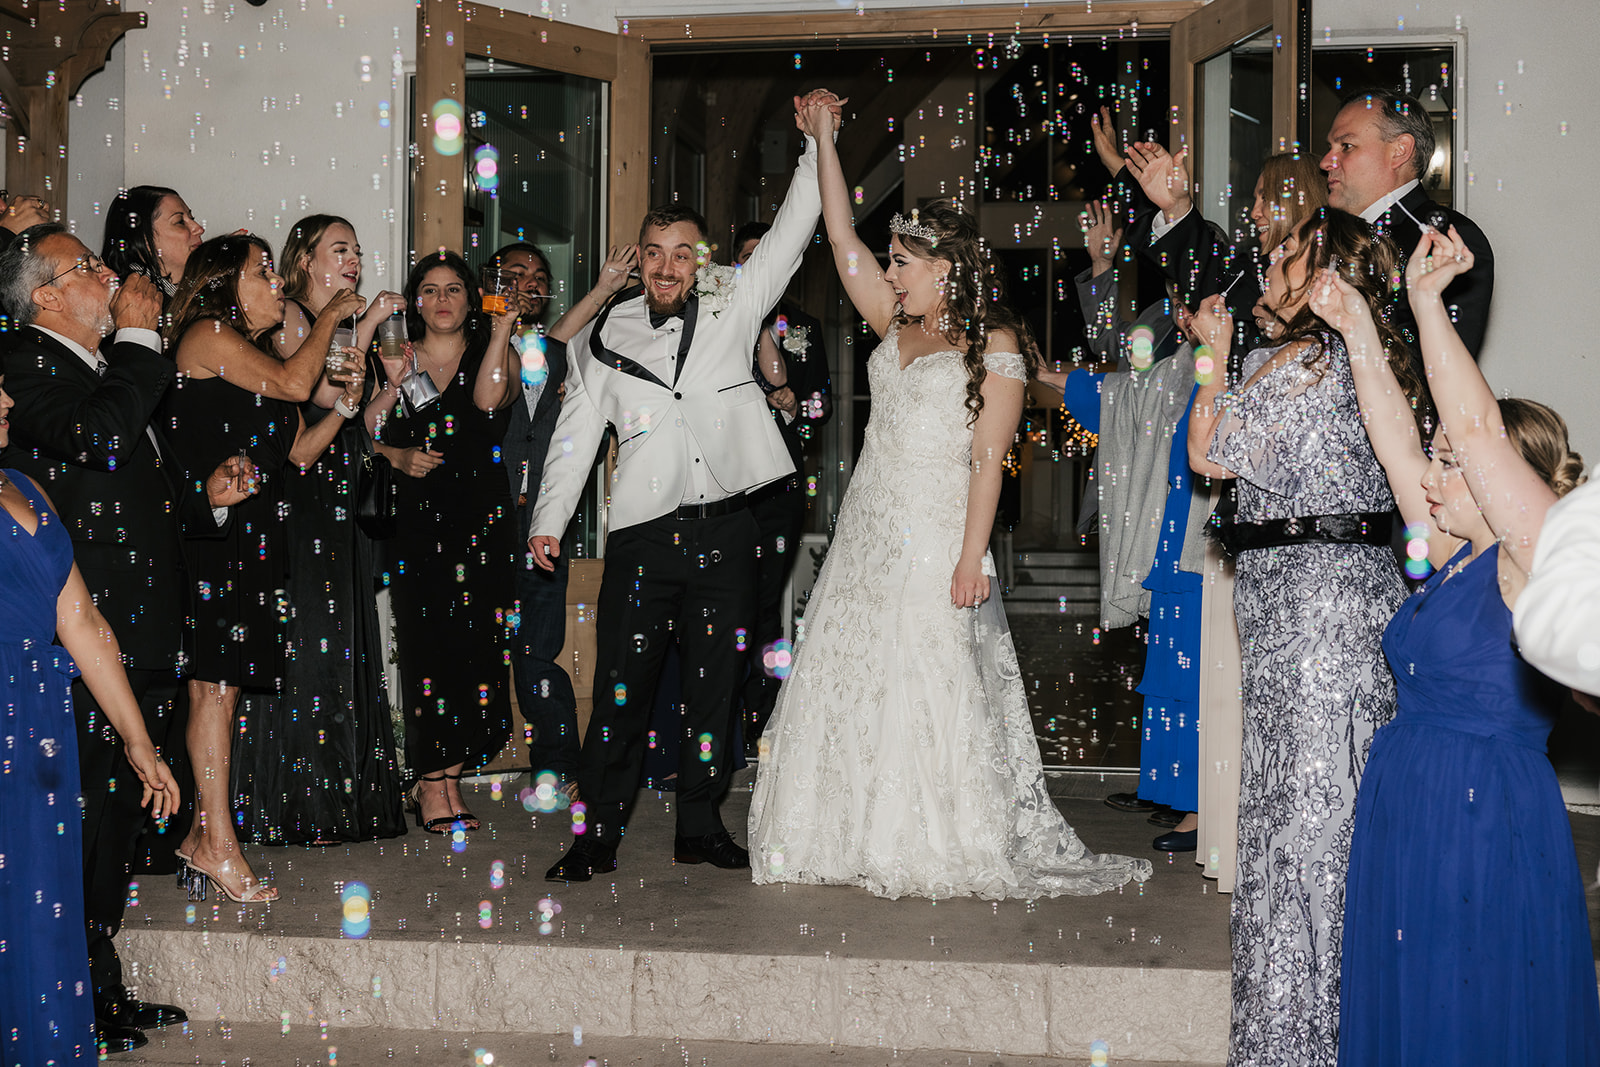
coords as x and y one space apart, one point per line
912 227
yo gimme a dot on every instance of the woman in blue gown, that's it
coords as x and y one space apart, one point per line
1466 937
46 1011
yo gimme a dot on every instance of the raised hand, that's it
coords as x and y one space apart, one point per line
137 304
383 305
1163 176
1105 141
833 102
614 272
344 304
1337 303
1438 260
1101 236
1213 324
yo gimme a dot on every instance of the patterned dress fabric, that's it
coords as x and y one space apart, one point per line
902 756
1486 945
46 1010
1316 687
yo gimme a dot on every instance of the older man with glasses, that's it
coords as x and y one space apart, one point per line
83 362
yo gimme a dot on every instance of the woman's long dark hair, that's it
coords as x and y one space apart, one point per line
477 328
974 293
210 288
1369 262
130 242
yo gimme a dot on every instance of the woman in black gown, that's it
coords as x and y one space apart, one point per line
451 563
316 764
233 396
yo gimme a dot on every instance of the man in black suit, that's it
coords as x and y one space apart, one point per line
1379 147
544 689
792 370
82 429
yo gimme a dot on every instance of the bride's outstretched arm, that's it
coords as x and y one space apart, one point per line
992 437
858 267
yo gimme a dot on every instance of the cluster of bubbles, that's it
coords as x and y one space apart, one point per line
1417 565
448 127
777 659
356 905
544 795
549 908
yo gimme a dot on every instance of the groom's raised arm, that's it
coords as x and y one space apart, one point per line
765 275
578 431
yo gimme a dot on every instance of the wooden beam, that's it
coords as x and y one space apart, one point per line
944 24
539 42
94 45
437 196
15 99
629 186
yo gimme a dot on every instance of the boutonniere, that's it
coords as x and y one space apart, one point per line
713 285
796 339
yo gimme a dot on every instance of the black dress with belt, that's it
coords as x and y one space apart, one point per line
451 573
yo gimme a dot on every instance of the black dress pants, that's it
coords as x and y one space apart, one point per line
689 581
780 513
113 818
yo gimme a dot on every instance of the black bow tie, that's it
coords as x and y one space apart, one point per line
659 319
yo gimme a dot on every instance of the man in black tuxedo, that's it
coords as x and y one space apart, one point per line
1379 147
82 429
791 367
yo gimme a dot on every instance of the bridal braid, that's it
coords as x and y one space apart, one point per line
974 293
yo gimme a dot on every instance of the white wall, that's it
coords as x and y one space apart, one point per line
272 121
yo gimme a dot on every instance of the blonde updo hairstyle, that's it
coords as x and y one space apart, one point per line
1541 436
974 293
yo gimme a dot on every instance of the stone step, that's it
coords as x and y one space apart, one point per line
1074 594
1058 576
1047 558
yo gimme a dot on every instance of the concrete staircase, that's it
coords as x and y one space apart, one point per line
1054 583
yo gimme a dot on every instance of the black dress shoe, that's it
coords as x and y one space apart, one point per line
1130 802
1165 818
1176 842
140 1014
717 849
114 1037
583 861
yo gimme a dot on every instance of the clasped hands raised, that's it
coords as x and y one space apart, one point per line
819 112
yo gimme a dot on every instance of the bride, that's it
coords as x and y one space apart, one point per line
901 756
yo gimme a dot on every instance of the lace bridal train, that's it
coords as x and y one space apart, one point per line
901 756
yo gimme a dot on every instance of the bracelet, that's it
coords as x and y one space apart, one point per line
344 410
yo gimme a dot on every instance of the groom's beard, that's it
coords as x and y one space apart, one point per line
662 305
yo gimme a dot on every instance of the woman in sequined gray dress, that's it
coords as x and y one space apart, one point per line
1316 585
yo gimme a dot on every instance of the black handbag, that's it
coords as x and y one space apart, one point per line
376 508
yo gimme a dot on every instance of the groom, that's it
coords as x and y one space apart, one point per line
668 365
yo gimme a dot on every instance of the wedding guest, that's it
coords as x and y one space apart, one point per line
45 998
84 427
1440 959
1316 584
1558 615
150 231
791 367
451 564
236 396
544 689
314 763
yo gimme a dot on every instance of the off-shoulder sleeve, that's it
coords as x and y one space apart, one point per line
1007 365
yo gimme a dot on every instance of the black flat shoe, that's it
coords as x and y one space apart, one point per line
717 849
1130 802
583 861
113 1037
1176 842
1165 818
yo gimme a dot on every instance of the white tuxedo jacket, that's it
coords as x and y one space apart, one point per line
711 410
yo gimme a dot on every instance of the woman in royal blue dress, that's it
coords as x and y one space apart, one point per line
46 1011
1466 937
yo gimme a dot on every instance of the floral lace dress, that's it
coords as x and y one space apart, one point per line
1316 686
902 757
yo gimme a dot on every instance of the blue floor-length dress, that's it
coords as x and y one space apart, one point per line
1169 737
46 1010
1466 938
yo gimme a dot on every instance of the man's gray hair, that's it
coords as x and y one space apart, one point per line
1399 114
23 269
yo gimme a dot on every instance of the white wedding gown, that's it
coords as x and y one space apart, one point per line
901 756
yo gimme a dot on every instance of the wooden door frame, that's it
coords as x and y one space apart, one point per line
450 30
1219 26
